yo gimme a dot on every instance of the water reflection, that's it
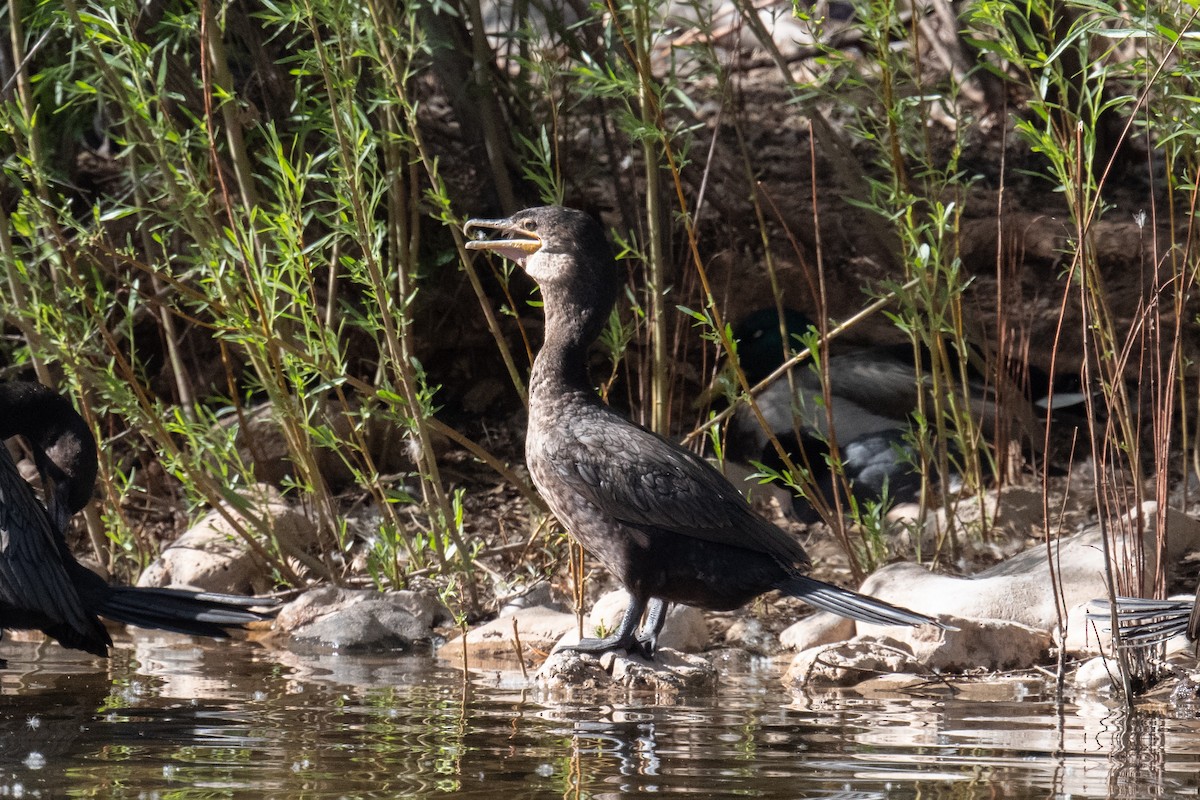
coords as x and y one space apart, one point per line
169 716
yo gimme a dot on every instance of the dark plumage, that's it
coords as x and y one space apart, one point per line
667 524
42 586
1149 622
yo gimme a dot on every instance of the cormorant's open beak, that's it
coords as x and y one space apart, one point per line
516 244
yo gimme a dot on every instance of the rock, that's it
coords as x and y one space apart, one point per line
685 628
750 635
849 663
1097 674
526 597
212 556
261 441
891 685
359 620
999 688
817 629
1021 588
992 644
671 672
539 629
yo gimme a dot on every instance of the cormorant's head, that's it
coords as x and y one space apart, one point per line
556 246
63 445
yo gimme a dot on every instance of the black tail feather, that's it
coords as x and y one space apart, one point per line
1144 622
181 611
853 605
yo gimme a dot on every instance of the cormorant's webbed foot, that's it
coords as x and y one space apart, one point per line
629 644
627 637
647 637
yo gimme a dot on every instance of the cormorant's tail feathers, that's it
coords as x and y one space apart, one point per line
182 611
1145 622
846 603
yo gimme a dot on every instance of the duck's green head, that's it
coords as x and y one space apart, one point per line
761 343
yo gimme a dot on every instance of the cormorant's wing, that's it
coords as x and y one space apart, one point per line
647 482
33 578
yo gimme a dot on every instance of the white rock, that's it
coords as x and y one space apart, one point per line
993 644
213 556
849 663
817 629
1021 589
1097 675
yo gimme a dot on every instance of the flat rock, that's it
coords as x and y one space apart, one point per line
670 673
495 643
685 629
893 684
850 663
1021 588
992 644
359 620
817 629
213 556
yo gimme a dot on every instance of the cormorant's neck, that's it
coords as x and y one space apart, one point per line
63 445
571 327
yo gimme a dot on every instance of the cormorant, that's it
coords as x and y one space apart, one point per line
42 586
660 518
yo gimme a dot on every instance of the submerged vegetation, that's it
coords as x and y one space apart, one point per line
214 209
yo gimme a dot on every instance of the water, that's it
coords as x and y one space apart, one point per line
171 717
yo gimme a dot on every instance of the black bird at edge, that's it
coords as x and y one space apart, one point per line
660 518
42 586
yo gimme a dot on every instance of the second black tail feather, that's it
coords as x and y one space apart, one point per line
846 603
1147 622
182 611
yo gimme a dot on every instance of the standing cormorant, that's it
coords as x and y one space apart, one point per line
668 525
42 586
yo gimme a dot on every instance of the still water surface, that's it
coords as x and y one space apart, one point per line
171 717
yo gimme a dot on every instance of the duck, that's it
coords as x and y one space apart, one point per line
42 585
661 519
873 396
880 469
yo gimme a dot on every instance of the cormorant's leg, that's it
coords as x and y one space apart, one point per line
623 639
656 615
